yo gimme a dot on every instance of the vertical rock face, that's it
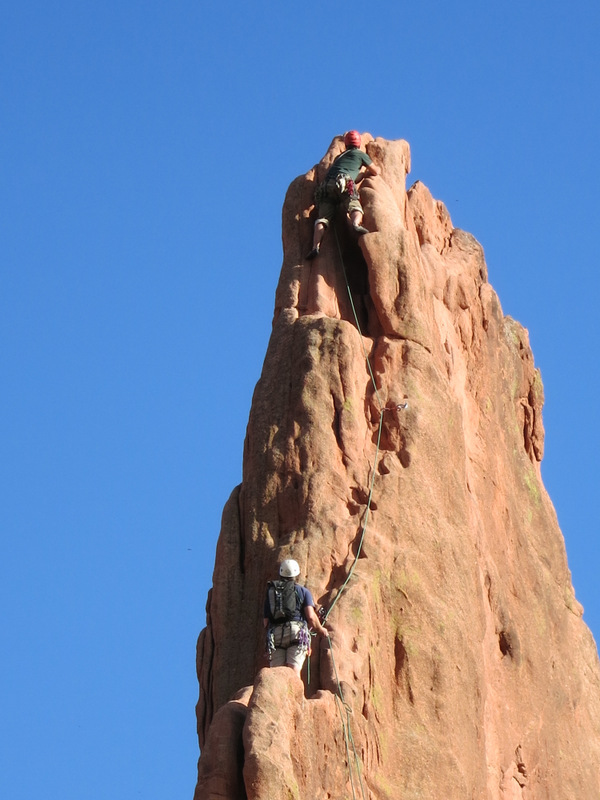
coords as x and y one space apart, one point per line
465 668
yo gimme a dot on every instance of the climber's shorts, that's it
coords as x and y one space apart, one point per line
327 208
292 656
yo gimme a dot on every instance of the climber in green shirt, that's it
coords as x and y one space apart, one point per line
339 189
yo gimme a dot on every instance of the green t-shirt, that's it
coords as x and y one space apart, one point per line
349 162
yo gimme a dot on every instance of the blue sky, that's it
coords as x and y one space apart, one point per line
145 152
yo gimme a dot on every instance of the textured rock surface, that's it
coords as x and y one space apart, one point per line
459 642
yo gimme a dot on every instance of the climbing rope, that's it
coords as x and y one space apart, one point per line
347 731
364 529
362 341
341 703
381 412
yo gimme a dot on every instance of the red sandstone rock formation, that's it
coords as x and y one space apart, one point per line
466 669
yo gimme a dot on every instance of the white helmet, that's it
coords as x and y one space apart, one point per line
289 568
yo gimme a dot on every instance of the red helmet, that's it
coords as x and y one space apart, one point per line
352 139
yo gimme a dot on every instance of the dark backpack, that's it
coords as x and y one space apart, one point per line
283 600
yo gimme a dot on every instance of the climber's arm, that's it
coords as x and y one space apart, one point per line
367 172
313 620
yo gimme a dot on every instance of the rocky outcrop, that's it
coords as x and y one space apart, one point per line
459 664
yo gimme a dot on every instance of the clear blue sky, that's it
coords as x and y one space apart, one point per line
146 150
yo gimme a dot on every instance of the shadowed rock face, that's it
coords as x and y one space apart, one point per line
466 669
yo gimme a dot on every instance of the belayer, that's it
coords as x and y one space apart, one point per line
288 611
340 189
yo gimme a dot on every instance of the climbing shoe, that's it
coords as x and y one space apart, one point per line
313 254
360 230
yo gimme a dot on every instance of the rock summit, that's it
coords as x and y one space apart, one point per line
396 436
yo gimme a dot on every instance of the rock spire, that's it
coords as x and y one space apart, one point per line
459 667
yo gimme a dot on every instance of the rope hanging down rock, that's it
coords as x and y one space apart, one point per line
343 707
382 410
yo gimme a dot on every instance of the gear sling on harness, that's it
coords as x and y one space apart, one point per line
334 189
288 633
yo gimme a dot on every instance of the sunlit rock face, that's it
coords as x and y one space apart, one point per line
465 668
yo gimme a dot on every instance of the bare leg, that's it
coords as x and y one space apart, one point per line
356 218
318 233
